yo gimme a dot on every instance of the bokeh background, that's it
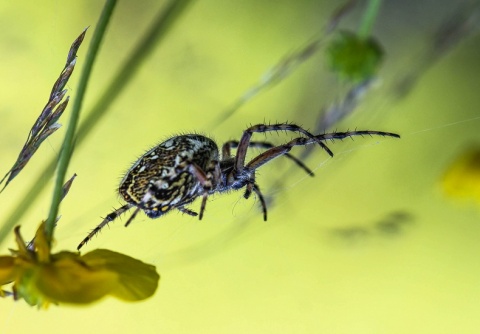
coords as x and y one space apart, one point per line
372 244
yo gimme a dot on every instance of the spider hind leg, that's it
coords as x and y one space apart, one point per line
109 218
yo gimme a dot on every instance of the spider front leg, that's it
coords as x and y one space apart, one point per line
276 151
247 134
265 145
342 135
252 186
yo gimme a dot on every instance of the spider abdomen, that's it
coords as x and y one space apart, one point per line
164 173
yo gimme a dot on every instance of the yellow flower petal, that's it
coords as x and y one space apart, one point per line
7 269
69 280
42 247
22 248
136 279
462 180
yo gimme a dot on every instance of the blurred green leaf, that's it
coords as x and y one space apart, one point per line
354 58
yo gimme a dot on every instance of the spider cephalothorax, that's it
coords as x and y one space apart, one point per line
177 171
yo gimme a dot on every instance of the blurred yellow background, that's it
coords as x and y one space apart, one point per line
370 245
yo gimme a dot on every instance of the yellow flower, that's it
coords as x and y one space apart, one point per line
41 278
462 180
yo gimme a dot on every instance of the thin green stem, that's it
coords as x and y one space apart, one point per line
158 30
69 141
369 17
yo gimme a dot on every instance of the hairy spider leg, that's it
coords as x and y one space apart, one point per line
132 217
276 151
257 191
187 211
247 134
112 216
342 135
263 145
205 180
253 186
109 218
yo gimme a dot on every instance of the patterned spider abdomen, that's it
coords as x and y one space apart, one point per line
162 178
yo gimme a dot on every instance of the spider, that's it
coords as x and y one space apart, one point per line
174 173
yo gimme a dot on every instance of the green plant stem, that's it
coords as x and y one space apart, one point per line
369 17
69 141
156 32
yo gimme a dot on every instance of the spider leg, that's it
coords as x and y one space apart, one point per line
109 218
248 190
132 217
187 211
252 186
265 145
205 181
226 148
257 191
276 151
247 134
342 135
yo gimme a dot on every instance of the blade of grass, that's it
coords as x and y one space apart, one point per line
69 141
154 34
